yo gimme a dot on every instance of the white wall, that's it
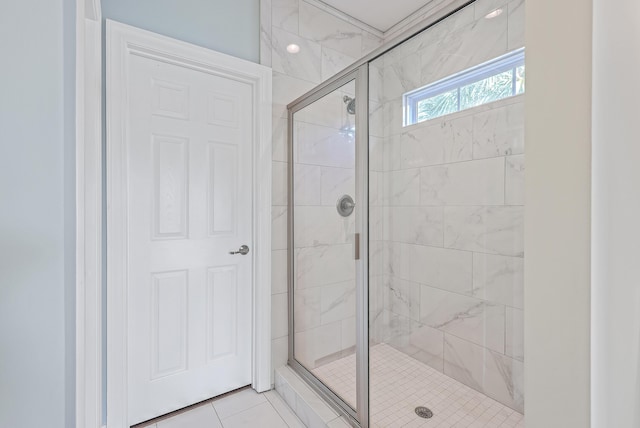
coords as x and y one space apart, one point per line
616 209
36 214
557 213
227 26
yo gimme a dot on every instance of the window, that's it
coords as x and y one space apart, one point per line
499 78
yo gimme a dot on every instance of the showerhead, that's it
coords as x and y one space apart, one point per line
351 104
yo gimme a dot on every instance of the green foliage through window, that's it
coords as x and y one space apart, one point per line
494 80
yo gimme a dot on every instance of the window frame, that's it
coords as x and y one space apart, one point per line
509 61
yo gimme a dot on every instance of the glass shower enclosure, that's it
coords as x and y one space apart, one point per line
405 236
328 240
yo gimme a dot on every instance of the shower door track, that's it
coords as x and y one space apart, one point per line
359 71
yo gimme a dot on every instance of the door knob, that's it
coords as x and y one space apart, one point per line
244 250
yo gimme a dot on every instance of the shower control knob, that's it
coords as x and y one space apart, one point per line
244 250
345 205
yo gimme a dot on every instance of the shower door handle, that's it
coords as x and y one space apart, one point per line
356 243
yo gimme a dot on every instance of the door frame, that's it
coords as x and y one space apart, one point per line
123 41
89 216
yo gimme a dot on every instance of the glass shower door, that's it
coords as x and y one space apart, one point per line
323 242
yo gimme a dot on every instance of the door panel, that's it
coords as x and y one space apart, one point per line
189 300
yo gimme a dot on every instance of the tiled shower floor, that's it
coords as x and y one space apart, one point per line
400 383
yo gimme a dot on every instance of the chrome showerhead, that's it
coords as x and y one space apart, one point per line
351 104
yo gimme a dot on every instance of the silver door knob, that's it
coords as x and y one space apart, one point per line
244 250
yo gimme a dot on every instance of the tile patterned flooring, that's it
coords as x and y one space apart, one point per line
400 383
242 409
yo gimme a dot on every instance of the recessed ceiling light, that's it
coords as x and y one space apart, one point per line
493 14
293 48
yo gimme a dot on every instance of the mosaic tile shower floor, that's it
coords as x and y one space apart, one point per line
400 383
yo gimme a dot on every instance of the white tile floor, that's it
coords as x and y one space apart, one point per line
244 408
400 383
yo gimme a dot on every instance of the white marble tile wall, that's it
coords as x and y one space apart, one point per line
328 43
449 208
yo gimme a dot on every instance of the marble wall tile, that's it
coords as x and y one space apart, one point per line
460 49
319 145
402 76
279 273
499 132
285 90
376 154
479 182
475 320
482 7
279 190
306 308
392 153
279 228
378 292
370 42
348 333
334 61
404 298
429 343
460 19
439 267
415 225
279 352
279 319
499 279
336 182
514 346
329 30
284 15
494 374
376 189
432 144
377 257
376 80
317 343
402 187
328 111
317 226
516 24
337 302
393 118
397 332
514 180
376 119
490 229
279 147
303 65
377 218
265 32
317 266
306 184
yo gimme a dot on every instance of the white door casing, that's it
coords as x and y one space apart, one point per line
188 180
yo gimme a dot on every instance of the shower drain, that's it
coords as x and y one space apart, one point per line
423 412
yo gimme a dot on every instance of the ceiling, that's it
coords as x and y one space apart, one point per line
380 14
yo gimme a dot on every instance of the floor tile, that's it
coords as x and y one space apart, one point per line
283 409
199 417
263 416
237 402
400 383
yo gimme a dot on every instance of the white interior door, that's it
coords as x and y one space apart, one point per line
190 173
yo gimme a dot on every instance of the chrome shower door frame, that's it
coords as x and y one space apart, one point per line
360 415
